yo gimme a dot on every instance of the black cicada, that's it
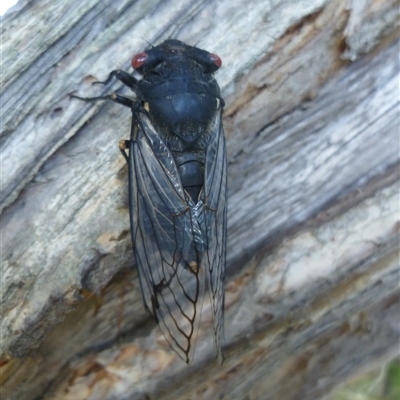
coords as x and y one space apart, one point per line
177 187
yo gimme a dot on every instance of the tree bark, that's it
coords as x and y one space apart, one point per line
311 120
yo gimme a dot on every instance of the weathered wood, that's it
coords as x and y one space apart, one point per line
311 119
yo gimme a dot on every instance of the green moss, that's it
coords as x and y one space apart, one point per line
382 384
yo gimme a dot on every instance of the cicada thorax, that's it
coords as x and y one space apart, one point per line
182 109
185 128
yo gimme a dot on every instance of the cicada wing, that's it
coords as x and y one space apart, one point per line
165 233
215 209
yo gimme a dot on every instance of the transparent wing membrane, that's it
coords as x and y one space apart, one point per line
178 244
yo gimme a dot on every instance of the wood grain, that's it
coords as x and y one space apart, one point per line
311 119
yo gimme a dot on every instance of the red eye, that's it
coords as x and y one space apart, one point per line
139 60
217 61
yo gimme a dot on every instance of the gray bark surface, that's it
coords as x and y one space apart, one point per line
312 125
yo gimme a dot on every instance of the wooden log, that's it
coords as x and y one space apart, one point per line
311 120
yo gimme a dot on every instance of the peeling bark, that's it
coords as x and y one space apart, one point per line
311 119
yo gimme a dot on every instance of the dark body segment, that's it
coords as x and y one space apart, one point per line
182 98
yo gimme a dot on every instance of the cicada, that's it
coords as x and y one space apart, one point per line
177 187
